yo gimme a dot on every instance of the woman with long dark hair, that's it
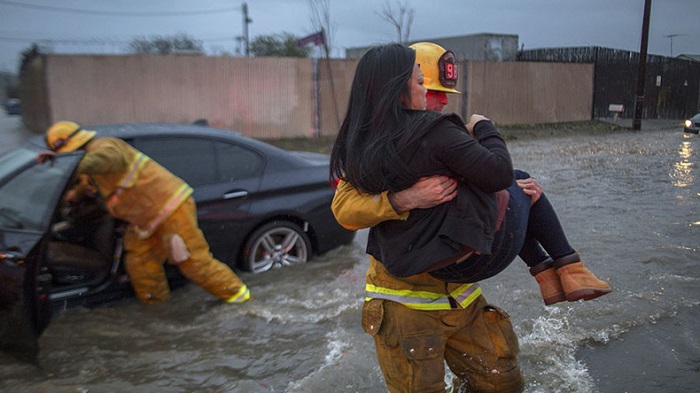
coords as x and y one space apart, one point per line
418 321
387 143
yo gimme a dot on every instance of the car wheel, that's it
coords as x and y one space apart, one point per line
276 244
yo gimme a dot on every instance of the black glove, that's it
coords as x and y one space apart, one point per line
45 156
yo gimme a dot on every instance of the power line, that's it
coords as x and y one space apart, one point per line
98 41
117 13
670 37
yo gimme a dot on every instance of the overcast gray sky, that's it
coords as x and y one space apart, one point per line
107 26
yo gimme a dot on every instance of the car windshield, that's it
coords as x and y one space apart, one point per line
28 191
13 160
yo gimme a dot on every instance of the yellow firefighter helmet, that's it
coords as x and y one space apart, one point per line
438 66
66 136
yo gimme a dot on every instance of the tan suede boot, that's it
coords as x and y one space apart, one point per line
578 282
550 284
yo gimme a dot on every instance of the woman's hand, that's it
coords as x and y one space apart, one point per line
531 187
473 119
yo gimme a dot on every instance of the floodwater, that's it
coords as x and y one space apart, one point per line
629 201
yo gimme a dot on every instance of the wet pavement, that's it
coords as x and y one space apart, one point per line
628 200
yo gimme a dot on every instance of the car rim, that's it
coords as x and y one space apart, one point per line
276 248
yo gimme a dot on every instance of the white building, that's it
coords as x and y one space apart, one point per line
477 47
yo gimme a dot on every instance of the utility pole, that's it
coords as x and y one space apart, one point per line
246 22
670 38
639 102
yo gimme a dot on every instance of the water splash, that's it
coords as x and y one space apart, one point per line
548 355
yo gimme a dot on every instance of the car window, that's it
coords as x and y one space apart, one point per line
237 162
202 161
27 199
191 159
13 160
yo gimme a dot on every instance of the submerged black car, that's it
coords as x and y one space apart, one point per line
259 207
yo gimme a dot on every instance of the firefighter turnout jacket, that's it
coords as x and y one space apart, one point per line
354 211
122 174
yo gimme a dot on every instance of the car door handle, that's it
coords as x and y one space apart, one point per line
235 194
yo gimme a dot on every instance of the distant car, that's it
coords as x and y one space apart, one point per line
692 124
259 207
13 106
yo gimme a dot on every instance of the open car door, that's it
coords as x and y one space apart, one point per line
29 196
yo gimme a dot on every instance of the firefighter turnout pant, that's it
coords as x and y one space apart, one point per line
179 240
477 342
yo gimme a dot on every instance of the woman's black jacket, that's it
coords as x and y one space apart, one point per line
482 166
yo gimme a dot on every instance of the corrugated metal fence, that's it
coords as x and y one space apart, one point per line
672 86
275 97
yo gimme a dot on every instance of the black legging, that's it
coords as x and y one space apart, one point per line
524 232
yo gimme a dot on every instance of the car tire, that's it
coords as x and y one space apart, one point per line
276 244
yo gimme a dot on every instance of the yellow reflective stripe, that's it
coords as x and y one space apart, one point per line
466 294
416 306
403 292
175 201
423 300
136 166
129 179
241 296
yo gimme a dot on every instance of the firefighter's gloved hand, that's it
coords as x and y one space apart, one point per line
45 156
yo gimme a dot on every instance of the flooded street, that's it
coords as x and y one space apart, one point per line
629 202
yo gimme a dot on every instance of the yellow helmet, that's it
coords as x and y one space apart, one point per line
66 136
438 66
